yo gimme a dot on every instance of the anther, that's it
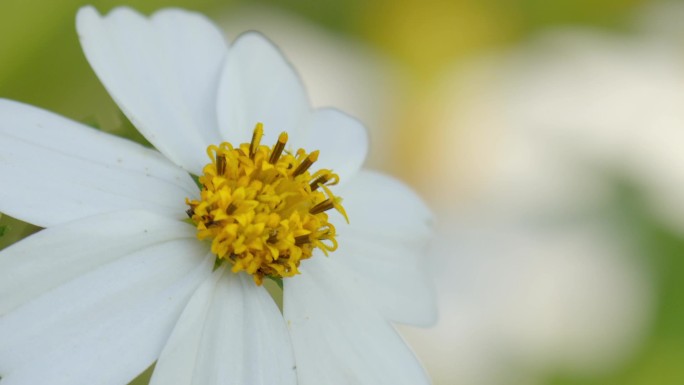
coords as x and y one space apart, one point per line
323 206
301 240
190 212
220 164
306 163
278 148
319 181
256 139
231 208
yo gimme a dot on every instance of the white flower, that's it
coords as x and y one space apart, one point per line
118 278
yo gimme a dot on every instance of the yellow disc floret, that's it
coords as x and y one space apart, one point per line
262 208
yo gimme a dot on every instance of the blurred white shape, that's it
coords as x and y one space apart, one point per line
543 123
534 278
336 70
520 301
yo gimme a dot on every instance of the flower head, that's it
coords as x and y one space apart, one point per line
137 263
262 209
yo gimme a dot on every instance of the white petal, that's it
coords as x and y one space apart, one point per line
162 72
378 204
259 85
55 170
338 337
231 332
342 140
393 274
107 325
386 245
59 254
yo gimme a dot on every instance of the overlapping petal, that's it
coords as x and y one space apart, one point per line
107 324
338 335
341 139
259 85
394 276
54 256
385 247
55 170
383 206
162 72
231 332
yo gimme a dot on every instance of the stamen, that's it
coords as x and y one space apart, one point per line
256 139
301 240
220 164
278 148
231 209
323 206
306 163
319 181
336 203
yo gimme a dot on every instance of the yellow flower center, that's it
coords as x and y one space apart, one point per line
262 208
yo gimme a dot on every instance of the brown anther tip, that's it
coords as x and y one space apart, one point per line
306 163
190 212
323 179
220 164
321 207
278 148
301 240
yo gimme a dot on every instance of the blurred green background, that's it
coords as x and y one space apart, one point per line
411 50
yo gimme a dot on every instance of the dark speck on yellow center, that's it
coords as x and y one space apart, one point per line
263 209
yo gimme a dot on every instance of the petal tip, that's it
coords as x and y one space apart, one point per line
259 44
254 37
84 15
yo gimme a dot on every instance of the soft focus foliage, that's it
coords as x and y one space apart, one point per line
557 186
